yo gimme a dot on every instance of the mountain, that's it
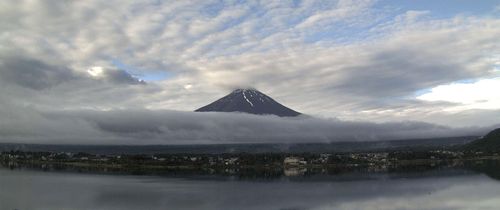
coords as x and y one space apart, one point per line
249 101
490 142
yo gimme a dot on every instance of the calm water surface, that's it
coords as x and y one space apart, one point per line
454 189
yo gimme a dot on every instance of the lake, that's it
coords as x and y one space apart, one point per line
25 189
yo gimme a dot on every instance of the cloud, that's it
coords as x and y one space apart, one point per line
114 75
36 84
33 74
38 75
414 15
174 127
475 95
344 11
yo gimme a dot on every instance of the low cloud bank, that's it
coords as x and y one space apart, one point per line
176 127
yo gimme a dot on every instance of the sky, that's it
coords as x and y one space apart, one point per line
131 72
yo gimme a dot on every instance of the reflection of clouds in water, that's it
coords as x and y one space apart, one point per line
468 195
80 191
129 199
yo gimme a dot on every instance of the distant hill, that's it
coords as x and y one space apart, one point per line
490 142
249 101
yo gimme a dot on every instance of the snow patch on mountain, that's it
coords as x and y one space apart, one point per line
244 96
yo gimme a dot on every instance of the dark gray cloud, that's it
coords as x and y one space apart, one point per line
390 73
33 74
38 75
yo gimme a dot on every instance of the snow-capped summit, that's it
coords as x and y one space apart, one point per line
249 101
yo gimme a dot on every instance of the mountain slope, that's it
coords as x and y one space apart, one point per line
249 101
490 142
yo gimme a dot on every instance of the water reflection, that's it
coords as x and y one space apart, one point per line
444 189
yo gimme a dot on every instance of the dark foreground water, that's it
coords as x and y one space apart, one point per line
455 189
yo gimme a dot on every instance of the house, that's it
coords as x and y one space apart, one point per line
294 162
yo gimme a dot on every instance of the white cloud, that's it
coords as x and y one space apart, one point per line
96 71
412 16
346 10
188 86
482 94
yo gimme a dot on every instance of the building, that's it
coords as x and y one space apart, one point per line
294 162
